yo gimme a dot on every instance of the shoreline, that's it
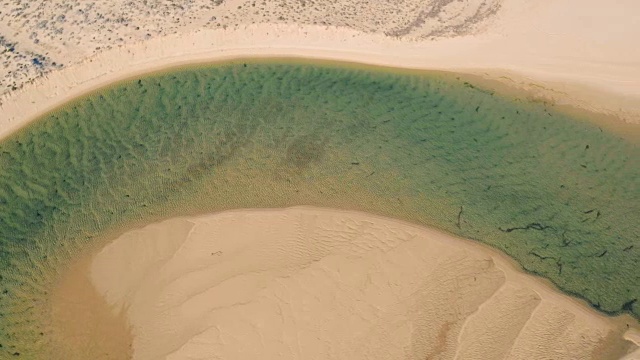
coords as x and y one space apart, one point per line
529 53
75 303
513 273
307 43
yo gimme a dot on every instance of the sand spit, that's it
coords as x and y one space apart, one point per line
569 51
309 283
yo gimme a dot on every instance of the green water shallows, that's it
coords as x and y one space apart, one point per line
560 196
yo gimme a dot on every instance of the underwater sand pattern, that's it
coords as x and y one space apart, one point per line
559 195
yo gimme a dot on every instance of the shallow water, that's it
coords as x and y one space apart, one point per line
559 195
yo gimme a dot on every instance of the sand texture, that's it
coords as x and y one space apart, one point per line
37 38
569 51
310 283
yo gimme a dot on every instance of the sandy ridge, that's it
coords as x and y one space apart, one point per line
308 282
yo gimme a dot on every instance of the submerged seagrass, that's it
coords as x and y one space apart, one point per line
559 195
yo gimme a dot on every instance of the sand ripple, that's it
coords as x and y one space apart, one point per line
308 283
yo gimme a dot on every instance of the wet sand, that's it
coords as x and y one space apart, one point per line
84 325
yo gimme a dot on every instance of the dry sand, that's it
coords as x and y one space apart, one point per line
310 283
569 51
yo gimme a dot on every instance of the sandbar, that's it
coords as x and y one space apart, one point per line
317 283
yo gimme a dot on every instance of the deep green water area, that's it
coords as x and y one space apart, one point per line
559 195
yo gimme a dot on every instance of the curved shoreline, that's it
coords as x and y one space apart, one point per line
594 85
132 298
463 55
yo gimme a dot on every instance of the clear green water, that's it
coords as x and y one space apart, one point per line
559 195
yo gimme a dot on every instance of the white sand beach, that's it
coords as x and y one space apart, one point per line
566 51
311 283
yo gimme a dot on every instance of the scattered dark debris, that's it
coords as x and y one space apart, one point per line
532 226
558 261
590 212
628 248
565 242
603 253
628 306
541 257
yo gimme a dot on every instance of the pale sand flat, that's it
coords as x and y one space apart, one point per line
310 283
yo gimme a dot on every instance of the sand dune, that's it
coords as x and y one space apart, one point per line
309 283
58 34
547 48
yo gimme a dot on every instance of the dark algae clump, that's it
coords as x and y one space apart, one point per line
558 195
